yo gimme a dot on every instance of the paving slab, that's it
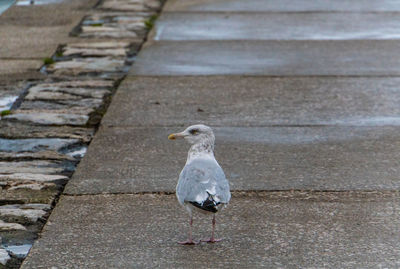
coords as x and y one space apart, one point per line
277 26
36 31
281 6
132 160
279 230
33 33
21 67
54 12
21 73
31 42
255 101
272 58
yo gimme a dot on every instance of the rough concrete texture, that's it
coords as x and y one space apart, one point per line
281 6
122 160
33 33
20 41
277 26
255 101
19 74
36 31
273 58
285 230
22 68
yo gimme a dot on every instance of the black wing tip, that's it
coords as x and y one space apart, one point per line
206 206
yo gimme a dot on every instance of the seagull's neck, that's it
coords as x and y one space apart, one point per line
203 149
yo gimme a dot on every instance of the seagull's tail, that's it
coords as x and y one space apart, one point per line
208 205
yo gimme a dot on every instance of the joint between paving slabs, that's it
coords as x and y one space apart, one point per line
267 75
239 193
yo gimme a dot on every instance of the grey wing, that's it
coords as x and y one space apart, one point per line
202 178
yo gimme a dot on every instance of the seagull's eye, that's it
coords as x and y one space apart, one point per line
193 131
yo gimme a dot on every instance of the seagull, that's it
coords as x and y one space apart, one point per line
202 185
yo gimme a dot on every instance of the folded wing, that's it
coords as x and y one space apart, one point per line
203 184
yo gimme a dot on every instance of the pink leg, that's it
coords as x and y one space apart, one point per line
212 239
190 240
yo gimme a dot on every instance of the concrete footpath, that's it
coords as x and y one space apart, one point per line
303 97
32 33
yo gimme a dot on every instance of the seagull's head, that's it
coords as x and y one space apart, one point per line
195 134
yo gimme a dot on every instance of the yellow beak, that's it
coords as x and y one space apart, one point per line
175 136
172 137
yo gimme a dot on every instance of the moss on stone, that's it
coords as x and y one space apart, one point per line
5 113
48 60
149 23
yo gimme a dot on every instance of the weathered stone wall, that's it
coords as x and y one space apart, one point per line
45 130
